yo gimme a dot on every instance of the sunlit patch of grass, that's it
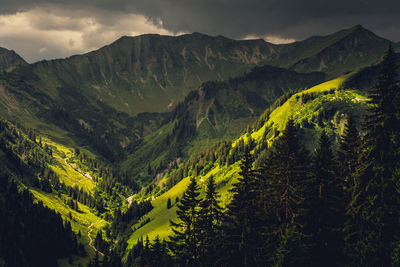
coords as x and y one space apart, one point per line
160 215
69 175
80 221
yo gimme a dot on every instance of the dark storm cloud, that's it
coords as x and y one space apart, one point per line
44 29
287 18
238 18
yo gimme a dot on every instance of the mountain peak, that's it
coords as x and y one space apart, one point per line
357 27
10 59
360 30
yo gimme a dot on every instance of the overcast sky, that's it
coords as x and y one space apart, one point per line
52 29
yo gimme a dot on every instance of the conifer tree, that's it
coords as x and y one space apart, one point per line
168 203
145 255
289 180
209 223
241 238
348 153
373 232
159 253
325 218
184 241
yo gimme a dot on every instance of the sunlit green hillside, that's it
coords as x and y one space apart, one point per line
327 110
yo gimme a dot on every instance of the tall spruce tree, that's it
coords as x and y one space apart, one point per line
289 180
209 224
241 238
159 253
373 232
348 153
325 219
267 199
185 239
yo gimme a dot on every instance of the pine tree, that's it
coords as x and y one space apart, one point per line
325 219
168 203
209 223
184 241
288 181
348 153
145 259
159 253
241 238
373 232
99 243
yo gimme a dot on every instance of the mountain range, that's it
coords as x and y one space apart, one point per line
132 121
153 73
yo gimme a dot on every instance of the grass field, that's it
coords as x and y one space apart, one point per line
67 169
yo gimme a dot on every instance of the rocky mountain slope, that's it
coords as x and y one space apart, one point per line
9 59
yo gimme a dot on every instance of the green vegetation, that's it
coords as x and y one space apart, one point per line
297 209
339 101
61 179
127 141
215 112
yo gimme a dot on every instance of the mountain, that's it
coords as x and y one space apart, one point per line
334 54
9 59
322 107
365 78
150 73
108 137
104 91
215 111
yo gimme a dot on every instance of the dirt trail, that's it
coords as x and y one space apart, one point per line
90 227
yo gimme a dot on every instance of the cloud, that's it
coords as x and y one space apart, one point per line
285 18
271 39
43 33
93 23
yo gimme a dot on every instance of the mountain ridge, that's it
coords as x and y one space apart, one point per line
9 59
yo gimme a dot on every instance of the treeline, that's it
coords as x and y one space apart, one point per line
101 142
124 220
31 159
32 234
222 152
24 150
112 181
200 163
299 209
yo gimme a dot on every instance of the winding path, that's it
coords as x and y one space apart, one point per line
90 227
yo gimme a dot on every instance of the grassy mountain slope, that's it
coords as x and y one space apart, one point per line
9 59
20 158
150 73
327 108
102 92
216 111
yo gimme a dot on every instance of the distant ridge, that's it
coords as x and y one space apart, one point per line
10 59
334 54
